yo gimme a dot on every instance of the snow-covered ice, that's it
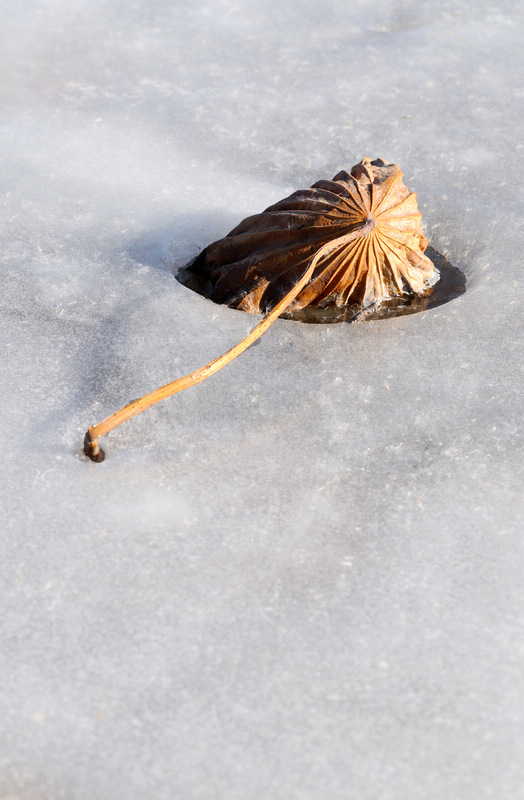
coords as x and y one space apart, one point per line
302 578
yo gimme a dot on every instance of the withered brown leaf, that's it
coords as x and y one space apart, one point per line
354 241
256 264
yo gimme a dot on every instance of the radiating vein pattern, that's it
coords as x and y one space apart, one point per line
256 264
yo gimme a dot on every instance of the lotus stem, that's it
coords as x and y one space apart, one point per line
92 448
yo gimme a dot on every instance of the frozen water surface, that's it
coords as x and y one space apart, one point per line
303 578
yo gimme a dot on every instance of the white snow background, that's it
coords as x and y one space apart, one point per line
304 577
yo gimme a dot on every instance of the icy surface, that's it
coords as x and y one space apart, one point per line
303 578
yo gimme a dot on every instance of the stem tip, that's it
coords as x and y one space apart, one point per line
92 449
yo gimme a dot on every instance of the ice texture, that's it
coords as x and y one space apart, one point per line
304 577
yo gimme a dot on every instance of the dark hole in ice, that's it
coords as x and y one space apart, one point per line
451 284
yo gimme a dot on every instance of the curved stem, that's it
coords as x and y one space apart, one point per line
91 447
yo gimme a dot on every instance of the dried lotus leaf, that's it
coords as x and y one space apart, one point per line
354 241
256 264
